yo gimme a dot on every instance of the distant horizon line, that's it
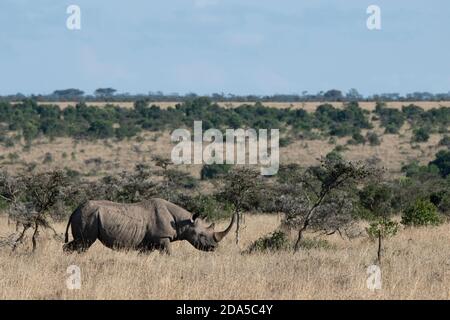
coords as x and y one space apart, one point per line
333 94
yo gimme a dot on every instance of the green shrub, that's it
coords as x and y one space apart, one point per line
275 241
340 148
285 141
207 206
212 171
373 139
3 204
48 158
391 119
384 227
334 155
9 142
445 141
182 179
101 129
442 162
357 138
415 169
441 199
423 212
421 135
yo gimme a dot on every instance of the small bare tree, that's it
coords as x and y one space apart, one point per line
321 197
239 185
31 197
377 198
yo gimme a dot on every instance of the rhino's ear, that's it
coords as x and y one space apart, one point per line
195 216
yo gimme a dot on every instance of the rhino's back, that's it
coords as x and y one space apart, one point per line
131 225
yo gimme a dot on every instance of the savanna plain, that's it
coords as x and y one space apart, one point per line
415 265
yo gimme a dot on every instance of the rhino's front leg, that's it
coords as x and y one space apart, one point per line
164 246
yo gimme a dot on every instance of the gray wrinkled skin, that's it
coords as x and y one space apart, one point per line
147 225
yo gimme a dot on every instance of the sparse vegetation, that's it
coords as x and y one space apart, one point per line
275 241
422 213
421 135
212 171
106 169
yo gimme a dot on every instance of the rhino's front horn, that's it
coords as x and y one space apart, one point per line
218 236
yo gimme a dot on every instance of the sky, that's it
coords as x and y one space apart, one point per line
230 46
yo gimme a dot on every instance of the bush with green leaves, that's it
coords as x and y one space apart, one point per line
82 121
376 198
48 158
442 162
382 227
421 135
334 155
391 119
445 141
441 199
373 139
415 169
357 138
322 197
207 206
422 213
213 171
239 186
275 241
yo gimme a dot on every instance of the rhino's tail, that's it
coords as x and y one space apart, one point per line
66 239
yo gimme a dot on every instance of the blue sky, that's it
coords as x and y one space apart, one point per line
230 46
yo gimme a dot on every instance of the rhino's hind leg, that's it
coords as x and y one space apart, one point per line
84 234
77 245
164 246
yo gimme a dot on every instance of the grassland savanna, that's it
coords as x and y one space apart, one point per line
121 154
416 267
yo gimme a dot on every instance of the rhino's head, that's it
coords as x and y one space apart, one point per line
203 236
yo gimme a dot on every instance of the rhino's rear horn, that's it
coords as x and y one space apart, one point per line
218 236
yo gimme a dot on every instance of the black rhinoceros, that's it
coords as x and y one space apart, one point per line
147 225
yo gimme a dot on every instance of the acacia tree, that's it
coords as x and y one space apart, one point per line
31 197
172 179
377 198
321 197
240 184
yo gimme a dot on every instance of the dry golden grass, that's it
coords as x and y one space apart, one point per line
416 265
392 153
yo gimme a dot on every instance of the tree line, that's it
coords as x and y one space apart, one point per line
29 120
111 95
